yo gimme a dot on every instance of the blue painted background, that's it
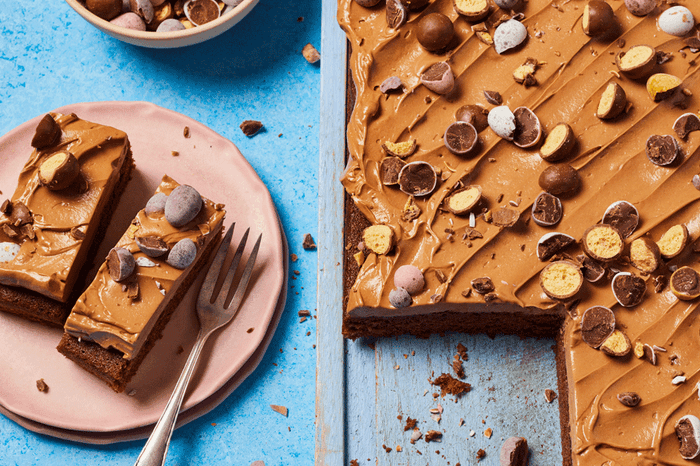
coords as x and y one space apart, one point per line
49 57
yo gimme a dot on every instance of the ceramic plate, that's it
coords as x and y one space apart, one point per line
81 407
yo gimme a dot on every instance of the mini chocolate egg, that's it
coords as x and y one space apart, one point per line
200 12
120 264
435 31
105 9
598 18
640 7
152 246
410 278
182 254
170 25
183 205
143 8
439 78
507 4
130 21
156 204
400 298
677 21
47 133
509 35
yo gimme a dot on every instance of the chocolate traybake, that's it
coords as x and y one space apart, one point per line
531 167
50 228
123 312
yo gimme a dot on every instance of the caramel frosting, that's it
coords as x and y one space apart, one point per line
572 72
64 222
106 314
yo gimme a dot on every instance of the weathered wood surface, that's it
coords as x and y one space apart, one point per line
330 361
361 391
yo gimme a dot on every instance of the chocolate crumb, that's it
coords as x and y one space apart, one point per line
480 454
251 127
458 368
308 243
41 386
186 132
293 257
410 424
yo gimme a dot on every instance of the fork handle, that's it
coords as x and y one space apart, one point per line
156 448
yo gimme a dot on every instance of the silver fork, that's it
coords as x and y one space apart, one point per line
212 315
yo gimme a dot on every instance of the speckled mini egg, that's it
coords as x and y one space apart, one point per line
410 278
183 205
509 35
640 7
502 122
507 4
399 298
130 21
8 251
169 25
156 204
677 21
182 254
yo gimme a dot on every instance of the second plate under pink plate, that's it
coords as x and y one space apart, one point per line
79 403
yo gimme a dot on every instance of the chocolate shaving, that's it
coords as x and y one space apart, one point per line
395 13
77 233
493 97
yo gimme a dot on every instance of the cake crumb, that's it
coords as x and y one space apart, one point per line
433 436
280 409
480 454
186 132
488 432
293 257
174 153
41 386
308 243
449 384
310 53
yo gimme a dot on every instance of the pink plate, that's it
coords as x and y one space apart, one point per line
80 407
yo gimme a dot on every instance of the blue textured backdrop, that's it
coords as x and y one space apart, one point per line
49 57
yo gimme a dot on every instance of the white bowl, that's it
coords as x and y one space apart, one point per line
173 39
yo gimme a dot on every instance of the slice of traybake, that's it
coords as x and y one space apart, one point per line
532 169
123 312
50 228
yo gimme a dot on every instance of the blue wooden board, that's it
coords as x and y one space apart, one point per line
361 394
50 57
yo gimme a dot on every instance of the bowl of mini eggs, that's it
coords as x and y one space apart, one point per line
163 23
